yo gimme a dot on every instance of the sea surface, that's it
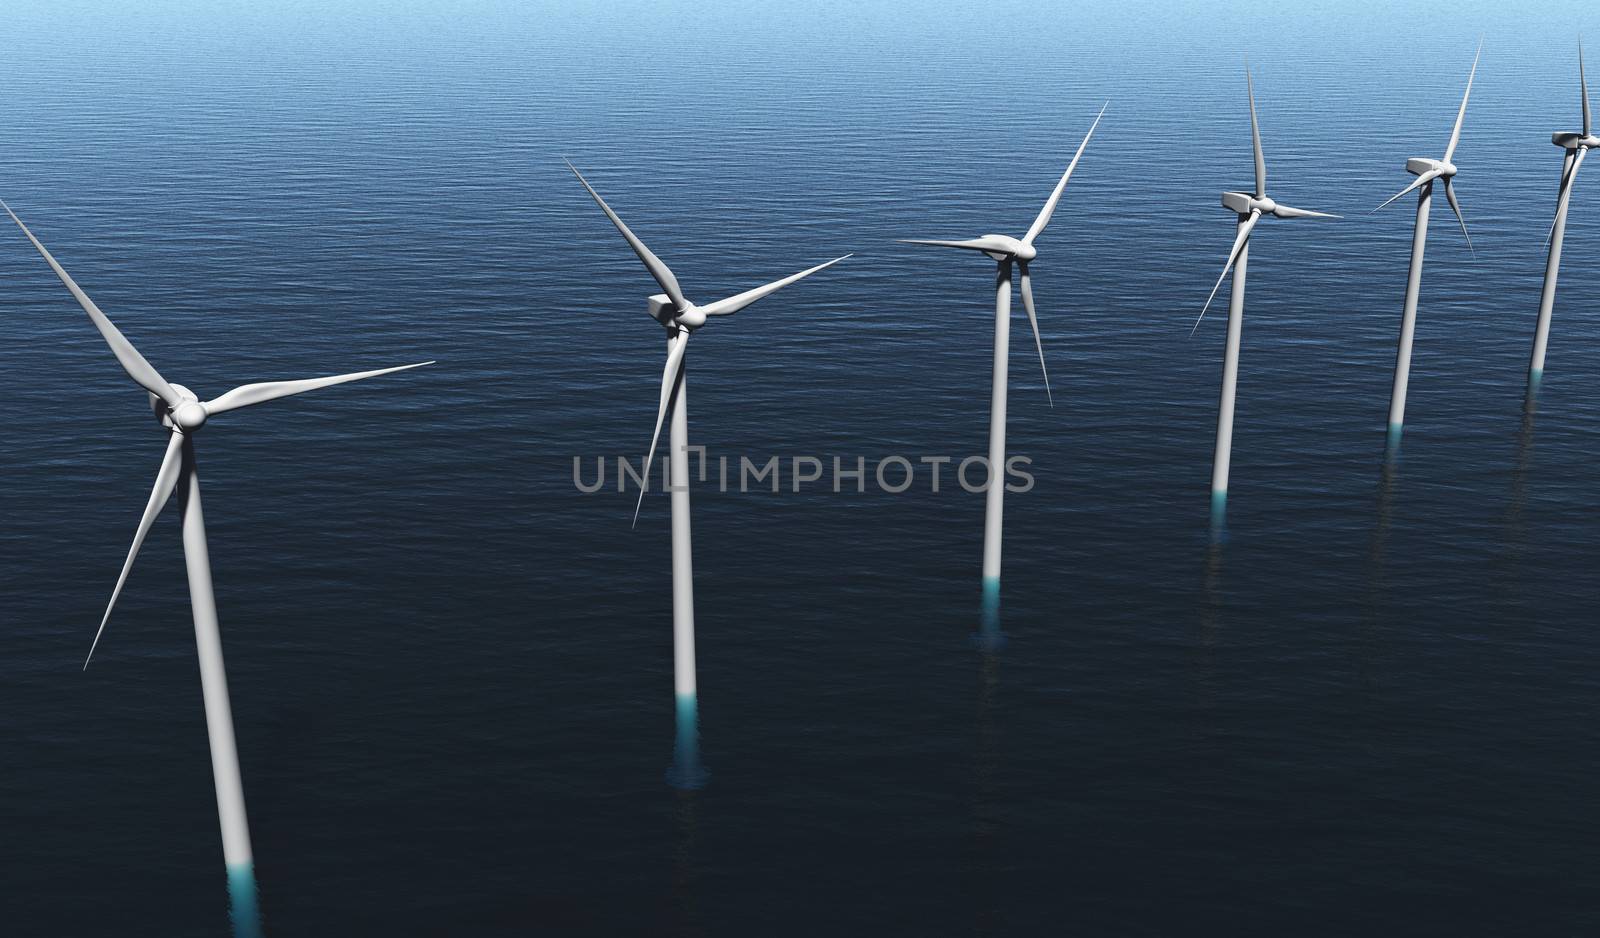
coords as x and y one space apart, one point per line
1369 709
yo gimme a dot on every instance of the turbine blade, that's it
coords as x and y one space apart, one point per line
1289 211
1450 194
141 371
658 269
248 394
1577 161
1455 135
739 301
166 481
1233 255
1050 204
974 244
1255 138
1424 178
1568 162
1033 320
1583 83
669 385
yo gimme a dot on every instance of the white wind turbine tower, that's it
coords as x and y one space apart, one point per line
1426 171
680 317
1576 146
183 414
1005 251
1250 209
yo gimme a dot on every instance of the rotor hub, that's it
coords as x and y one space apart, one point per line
190 416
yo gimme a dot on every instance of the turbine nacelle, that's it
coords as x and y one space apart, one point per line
1575 141
1422 166
1243 203
663 310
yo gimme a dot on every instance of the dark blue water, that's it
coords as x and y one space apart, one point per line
1370 710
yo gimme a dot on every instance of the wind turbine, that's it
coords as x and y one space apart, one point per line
1005 251
1576 146
183 414
680 317
1250 209
1426 171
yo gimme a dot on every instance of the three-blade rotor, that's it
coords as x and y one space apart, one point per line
680 316
1428 170
1251 209
1005 250
180 410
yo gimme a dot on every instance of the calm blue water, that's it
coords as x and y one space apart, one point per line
1370 710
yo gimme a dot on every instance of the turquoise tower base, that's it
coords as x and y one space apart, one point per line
1391 446
1219 515
244 903
687 773
989 637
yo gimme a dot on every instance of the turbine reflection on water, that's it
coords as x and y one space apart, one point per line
685 870
1377 565
985 802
